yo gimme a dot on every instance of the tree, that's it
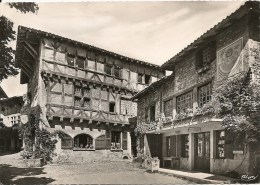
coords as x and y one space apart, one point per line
7 34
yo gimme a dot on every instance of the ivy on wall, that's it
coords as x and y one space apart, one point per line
39 143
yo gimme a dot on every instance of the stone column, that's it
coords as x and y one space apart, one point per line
191 151
174 107
129 144
212 149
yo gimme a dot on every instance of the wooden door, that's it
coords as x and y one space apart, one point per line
202 151
155 145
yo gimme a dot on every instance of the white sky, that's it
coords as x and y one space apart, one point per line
148 31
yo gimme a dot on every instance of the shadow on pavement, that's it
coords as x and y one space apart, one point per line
13 175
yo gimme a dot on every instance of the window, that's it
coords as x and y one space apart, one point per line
204 94
184 102
108 69
152 113
171 146
115 140
125 107
168 148
220 138
144 79
226 143
77 102
146 114
112 106
83 142
206 55
168 108
147 79
86 103
78 91
117 72
70 59
140 78
80 62
185 146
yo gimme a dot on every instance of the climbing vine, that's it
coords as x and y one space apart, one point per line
39 143
239 107
237 102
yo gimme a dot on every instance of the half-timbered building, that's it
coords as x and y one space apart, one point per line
84 91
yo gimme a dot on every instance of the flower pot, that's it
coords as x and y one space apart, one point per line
34 162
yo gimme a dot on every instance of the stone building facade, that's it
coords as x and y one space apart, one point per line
9 120
83 91
179 137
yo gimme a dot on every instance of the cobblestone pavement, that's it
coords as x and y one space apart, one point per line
13 171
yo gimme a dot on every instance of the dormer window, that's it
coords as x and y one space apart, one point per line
206 55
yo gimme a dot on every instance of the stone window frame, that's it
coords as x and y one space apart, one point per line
206 54
204 92
116 143
184 101
172 106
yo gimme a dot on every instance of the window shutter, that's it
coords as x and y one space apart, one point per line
108 139
66 142
100 143
124 141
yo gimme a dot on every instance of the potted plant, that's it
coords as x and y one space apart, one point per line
152 164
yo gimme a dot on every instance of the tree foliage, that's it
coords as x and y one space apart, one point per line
239 107
25 7
7 34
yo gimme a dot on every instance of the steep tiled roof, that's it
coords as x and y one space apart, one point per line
152 87
243 10
54 36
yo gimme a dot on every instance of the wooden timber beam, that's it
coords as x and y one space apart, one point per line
27 66
30 50
26 71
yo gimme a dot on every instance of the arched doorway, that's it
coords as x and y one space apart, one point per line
83 142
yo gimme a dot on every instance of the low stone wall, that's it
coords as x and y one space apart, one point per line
70 156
